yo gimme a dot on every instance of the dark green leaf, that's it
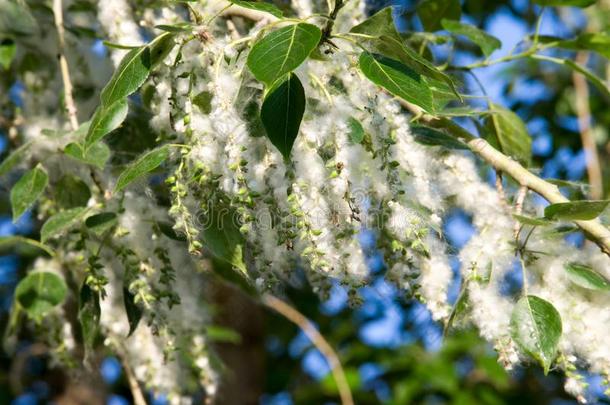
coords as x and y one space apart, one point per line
7 53
89 313
532 221
16 157
133 310
203 100
356 131
586 277
168 230
102 222
39 292
160 47
431 12
379 35
27 190
105 120
509 134
61 222
96 155
574 3
70 192
142 166
576 210
259 6
282 112
592 77
536 327
434 137
397 78
486 42
282 51
131 73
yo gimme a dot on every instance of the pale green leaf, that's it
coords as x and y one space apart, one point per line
536 327
259 6
27 190
16 19
61 222
584 276
39 293
96 155
7 53
486 42
9 243
576 210
89 313
356 131
282 51
144 165
16 157
525 220
397 78
282 112
509 134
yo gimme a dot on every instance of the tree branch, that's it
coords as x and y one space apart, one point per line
63 64
583 112
318 340
594 230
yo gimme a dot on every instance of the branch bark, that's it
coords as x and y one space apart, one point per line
583 112
594 230
63 64
318 340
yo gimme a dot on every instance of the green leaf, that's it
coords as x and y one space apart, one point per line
574 3
586 277
203 100
433 137
222 238
10 242
378 34
509 134
431 12
7 53
61 222
168 230
397 78
356 131
160 47
592 41
89 314
144 165
532 221
282 112
259 6
221 334
70 192
105 120
536 327
102 222
132 309
486 42
96 155
131 73
16 19
27 190
282 51
16 157
576 210
39 292
178 27
592 77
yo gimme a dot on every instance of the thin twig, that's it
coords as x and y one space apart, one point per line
318 340
63 64
500 188
583 112
134 386
519 208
